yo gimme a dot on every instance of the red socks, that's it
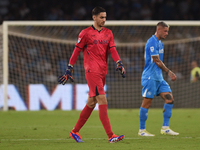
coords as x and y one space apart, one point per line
105 120
85 114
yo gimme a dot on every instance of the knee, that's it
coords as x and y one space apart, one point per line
101 99
146 103
91 104
169 98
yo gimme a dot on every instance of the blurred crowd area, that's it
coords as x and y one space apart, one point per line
38 59
35 61
116 9
122 34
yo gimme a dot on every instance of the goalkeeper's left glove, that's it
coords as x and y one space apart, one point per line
121 68
68 75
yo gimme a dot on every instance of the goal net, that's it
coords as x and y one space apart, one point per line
34 54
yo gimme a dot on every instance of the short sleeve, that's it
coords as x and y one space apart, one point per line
153 49
81 41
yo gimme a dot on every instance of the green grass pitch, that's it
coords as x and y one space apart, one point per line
49 130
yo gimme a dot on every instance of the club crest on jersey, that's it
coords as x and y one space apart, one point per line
95 41
79 39
152 48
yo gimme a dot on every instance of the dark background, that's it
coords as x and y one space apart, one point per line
116 9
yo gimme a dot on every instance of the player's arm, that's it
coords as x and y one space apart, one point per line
81 42
68 73
116 58
75 55
162 66
115 55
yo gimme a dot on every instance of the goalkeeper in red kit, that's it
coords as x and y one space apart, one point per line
95 41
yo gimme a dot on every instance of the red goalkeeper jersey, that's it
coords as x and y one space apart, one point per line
95 45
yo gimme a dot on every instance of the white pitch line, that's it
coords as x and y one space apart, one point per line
136 138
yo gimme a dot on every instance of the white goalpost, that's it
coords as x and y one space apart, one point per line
34 53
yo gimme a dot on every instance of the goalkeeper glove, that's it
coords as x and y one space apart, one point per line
68 75
121 68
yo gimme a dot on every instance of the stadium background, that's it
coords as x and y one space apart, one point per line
121 93
116 9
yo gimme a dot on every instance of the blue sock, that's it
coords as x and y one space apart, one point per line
167 114
143 114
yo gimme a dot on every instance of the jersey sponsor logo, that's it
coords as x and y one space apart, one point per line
152 48
103 41
79 39
161 51
100 41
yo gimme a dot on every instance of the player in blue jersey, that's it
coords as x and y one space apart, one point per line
153 82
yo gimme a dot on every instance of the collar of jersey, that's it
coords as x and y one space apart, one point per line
96 29
156 38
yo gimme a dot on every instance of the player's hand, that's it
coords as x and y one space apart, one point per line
120 67
68 75
172 75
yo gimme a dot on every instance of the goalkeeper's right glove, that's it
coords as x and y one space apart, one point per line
68 75
121 68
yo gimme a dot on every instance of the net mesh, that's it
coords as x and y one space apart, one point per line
39 54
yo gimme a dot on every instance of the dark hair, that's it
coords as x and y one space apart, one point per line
162 24
97 10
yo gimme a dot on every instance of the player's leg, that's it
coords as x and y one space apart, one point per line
149 88
165 93
84 115
103 115
96 88
143 114
86 112
96 84
167 109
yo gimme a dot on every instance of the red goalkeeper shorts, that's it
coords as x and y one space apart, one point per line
96 83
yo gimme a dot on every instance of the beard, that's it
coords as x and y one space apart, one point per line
101 24
163 37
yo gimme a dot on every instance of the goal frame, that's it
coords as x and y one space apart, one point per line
5 31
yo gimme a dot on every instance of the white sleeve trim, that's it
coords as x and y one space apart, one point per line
155 55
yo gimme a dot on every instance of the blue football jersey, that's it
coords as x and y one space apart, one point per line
153 47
